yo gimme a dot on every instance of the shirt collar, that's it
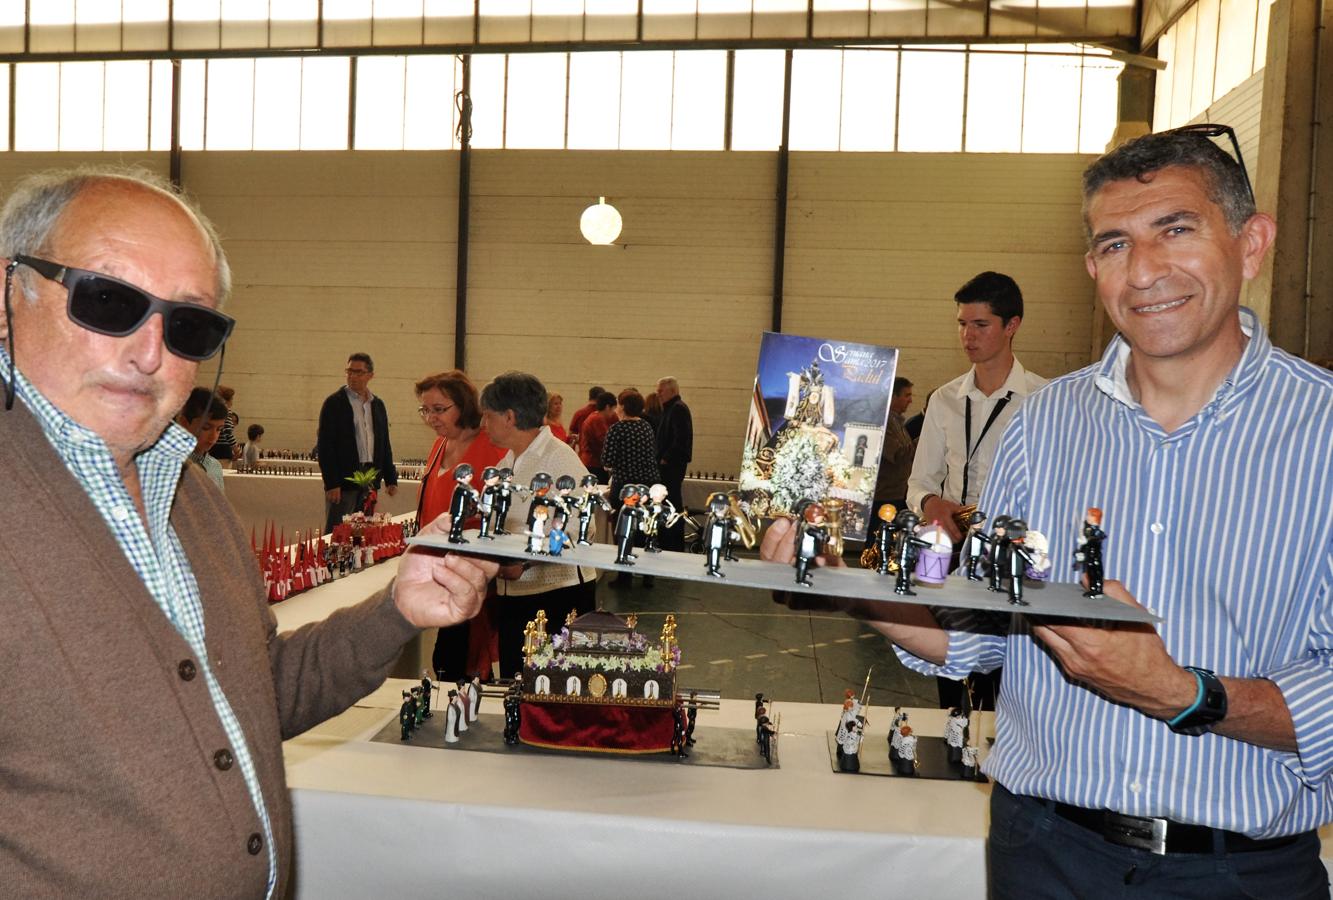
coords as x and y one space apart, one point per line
355 397
1110 376
1016 383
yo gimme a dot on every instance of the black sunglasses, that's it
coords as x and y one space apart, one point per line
109 306
1210 130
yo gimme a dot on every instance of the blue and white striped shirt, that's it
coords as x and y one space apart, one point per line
154 553
1223 528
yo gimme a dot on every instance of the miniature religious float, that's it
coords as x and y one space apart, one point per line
599 685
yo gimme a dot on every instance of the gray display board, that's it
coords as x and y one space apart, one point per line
1043 599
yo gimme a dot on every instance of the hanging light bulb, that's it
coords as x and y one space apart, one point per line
600 223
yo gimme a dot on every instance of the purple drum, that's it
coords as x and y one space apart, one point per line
932 567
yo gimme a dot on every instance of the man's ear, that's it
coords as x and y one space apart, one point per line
1011 327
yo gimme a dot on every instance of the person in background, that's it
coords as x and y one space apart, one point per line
895 461
652 410
226 449
555 408
203 415
630 456
449 405
913 425
252 448
593 438
576 422
675 448
353 437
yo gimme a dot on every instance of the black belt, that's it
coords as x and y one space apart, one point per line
1161 835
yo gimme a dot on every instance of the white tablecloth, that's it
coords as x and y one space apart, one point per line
296 502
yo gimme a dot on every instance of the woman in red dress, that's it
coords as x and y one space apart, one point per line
555 408
449 405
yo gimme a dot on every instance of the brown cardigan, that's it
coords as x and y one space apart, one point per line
111 783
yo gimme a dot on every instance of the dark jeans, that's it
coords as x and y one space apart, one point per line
673 478
1034 854
516 612
353 498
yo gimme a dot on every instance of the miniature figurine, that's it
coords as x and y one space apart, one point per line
490 492
418 708
745 523
885 538
1089 552
905 764
406 716
766 731
459 699
564 486
969 759
474 688
811 536
691 714
452 715
719 534
760 710
678 729
999 553
933 561
463 504
976 543
895 732
908 546
955 734
427 686
627 523
660 513
849 746
585 504
537 530
504 496
1019 559
513 700
539 511
557 539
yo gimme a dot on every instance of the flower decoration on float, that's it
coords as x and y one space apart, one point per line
601 223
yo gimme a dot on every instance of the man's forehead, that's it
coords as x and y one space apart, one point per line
1180 187
974 311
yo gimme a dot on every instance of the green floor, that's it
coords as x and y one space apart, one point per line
738 641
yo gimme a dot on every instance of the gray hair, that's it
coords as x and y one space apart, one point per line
1138 159
29 217
522 393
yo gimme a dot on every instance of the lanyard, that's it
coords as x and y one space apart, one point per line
967 435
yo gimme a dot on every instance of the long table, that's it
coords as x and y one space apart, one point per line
296 502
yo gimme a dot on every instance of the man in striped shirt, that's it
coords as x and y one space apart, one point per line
1192 758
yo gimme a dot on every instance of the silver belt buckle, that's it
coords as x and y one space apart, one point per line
1135 831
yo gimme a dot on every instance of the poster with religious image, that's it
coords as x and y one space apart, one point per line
816 427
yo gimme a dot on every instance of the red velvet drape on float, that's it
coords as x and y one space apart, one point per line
596 726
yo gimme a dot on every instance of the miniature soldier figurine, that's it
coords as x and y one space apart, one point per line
463 503
512 700
504 496
691 714
418 708
678 729
1089 551
905 764
849 746
760 710
999 552
426 687
886 537
1019 560
490 493
564 486
585 505
970 762
976 543
539 511
460 700
811 535
766 731
719 533
895 733
627 523
453 713
406 716
955 734
908 547
660 514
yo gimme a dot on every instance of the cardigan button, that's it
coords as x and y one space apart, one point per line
223 759
186 670
254 844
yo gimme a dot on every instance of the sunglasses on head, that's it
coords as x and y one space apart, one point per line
1213 130
109 306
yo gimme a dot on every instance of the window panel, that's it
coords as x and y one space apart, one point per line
144 24
125 116
324 103
1050 103
995 103
4 106
1261 37
81 89
488 100
535 105
194 85
198 24
930 102
645 100
397 22
557 20
159 111
347 23
430 115
869 99
37 106
1235 44
1184 68
229 118
816 86
244 23
448 21
277 104
665 20
1164 80
1101 104
756 108
381 84
97 25
699 102
52 24
292 23
611 20
1205 54
594 101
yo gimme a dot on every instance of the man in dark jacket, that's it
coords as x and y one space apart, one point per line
353 437
675 447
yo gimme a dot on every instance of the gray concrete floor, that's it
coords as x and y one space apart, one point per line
738 641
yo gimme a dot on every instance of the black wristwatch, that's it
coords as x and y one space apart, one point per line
1209 706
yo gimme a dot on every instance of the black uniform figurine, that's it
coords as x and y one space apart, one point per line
976 543
811 535
1089 552
691 714
628 522
766 731
678 729
585 504
513 698
564 486
539 511
999 552
886 537
504 496
760 710
426 688
849 756
463 504
418 708
1018 559
908 547
407 716
719 533
490 493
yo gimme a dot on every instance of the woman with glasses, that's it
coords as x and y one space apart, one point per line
448 403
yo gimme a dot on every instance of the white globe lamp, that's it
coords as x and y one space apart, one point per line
601 223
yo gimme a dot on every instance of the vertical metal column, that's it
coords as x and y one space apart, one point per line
464 204
175 152
780 225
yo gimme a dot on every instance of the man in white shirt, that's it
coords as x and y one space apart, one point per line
967 416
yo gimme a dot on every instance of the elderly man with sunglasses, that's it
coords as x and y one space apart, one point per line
166 779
